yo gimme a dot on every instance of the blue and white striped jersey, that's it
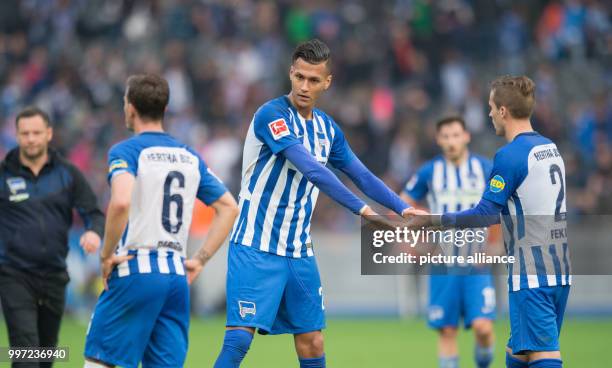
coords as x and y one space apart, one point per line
528 179
448 187
276 200
168 177
451 188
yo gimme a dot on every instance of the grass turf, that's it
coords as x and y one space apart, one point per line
361 343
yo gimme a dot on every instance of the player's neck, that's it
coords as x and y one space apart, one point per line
516 127
149 126
305 112
459 160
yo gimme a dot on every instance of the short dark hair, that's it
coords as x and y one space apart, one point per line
517 94
313 51
149 93
450 120
31 111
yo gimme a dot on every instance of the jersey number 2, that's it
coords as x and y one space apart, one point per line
554 168
173 198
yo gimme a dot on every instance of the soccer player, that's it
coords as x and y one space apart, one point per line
456 180
143 313
527 187
273 283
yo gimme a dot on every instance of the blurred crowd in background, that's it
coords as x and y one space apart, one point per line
398 66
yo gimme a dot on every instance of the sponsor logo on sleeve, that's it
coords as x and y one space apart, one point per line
279 129
497 184
117 164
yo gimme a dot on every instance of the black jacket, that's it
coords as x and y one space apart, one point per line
36 212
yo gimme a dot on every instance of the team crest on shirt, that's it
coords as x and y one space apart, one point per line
117 164
17 185
279 129
497 184
246 308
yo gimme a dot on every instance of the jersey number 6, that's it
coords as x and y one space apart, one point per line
173 198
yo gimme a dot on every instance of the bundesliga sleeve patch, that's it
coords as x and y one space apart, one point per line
497 184
279 129
117 164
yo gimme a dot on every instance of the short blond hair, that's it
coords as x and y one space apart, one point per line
517 94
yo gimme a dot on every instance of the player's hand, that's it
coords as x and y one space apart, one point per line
378 220
107 264
417 219
193 267
411 212
90 241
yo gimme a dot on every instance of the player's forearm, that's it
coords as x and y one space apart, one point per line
323 178
406 198
226 212
486 213
373 187
116 221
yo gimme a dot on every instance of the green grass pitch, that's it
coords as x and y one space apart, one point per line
361 343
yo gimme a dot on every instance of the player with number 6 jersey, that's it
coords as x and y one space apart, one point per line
142 316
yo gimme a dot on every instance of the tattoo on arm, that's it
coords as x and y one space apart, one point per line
203 256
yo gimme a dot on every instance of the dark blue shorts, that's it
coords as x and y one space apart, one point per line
272 293
452 297
536 316
141 318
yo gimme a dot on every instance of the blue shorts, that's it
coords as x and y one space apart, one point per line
454 296
536 316
142 317
272 293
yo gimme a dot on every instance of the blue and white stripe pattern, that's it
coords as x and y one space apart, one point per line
276 200
150 261
528 179
451 188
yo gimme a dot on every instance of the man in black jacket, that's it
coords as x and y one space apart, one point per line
38 191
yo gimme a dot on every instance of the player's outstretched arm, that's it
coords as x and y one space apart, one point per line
372 186
486 213
323 178
226 211
117 216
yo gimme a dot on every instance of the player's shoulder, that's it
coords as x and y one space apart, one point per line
518 150
136 144
426 169
429 164
275 108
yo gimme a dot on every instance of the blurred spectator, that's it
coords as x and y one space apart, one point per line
398 65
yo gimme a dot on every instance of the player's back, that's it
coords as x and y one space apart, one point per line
167 178
529 181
